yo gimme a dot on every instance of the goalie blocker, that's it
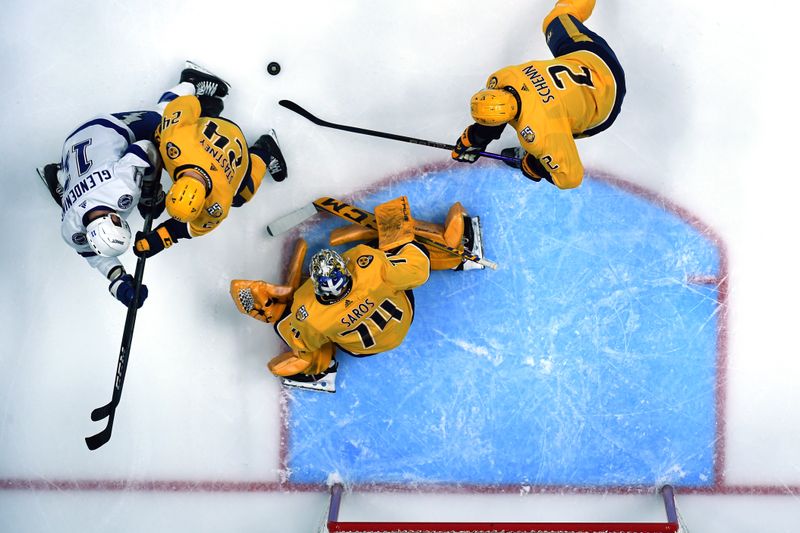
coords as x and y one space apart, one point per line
359 302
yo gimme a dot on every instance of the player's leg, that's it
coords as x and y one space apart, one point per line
565 33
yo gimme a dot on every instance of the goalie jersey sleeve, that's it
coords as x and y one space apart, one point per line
217 148
373 317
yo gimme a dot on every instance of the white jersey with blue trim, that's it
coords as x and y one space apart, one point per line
102 166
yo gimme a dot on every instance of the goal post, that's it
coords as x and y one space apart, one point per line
671 525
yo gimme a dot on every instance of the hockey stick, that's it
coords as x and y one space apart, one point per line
361 217
288 104
109 410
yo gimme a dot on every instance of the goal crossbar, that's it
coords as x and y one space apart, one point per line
670 526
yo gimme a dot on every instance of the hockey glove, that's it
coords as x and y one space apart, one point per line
165 235
266 147
152 200
124 289
533 169
467 147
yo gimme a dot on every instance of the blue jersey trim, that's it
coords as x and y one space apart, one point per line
104 122
139 152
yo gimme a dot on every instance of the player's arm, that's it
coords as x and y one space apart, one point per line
409 266
121 284
558 163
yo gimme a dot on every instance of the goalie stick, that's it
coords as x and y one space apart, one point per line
361 217
288 104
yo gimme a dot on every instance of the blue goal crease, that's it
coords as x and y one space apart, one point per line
587 359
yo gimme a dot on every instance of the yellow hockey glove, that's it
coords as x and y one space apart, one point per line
466 149
262 301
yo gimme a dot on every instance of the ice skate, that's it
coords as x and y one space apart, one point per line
49 176
322 382
473 242
205 82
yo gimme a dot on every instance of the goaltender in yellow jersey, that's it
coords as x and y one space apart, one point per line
359 302
550 102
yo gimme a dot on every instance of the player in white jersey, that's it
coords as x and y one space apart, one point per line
105 163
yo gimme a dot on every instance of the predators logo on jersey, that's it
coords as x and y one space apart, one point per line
374 316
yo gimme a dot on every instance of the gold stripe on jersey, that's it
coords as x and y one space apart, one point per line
376 313
572 30
217 146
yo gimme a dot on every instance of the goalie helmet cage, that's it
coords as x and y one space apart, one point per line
670 526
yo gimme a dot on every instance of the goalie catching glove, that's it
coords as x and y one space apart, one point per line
260 300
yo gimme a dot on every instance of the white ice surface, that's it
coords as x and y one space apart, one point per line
708 124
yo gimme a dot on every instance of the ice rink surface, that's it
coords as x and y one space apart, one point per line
700 161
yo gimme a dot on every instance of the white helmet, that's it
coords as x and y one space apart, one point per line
109 235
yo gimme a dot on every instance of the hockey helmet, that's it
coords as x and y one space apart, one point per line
493 107
186 198
109 235
330 276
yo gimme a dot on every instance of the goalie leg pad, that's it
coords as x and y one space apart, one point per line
308 363
350 234
395 224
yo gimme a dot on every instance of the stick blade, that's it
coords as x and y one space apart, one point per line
287 222
95 441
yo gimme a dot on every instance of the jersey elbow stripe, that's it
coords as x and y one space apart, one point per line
139 152
105 123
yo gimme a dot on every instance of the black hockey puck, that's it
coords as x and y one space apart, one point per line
274 68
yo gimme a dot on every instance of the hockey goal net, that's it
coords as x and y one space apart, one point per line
671 525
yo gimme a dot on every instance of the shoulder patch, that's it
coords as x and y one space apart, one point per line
364 260
125 201
215 210
301 313
79 238
528 134
173 152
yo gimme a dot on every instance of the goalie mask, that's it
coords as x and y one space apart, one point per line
330 276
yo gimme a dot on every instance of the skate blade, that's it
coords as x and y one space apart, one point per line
325 384
477 244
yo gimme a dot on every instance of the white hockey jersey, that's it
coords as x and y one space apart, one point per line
102 165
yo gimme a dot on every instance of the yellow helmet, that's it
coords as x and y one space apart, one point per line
185 199
492 107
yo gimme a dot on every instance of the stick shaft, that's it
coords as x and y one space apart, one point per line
109 410
288 104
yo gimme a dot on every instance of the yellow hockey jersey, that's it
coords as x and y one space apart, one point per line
217 149
561 99
375 314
